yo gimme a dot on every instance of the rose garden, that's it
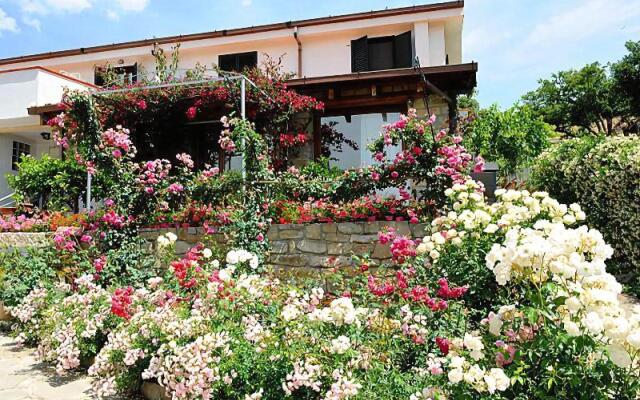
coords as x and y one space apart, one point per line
296 280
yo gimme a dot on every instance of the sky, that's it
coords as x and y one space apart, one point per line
515 42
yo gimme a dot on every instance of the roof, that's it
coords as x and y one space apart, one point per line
239 31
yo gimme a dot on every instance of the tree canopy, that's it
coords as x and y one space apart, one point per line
594 99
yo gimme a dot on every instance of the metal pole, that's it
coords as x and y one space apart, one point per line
88 205
243 114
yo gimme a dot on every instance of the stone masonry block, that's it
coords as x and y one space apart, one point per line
312 246
350 228
313 231
364 238
291 234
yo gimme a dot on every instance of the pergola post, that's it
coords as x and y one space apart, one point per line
243 114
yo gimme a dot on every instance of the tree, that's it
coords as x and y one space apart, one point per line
576 101
626 74
512 138
594 99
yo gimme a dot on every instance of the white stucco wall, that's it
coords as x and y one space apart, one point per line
437 48
20 90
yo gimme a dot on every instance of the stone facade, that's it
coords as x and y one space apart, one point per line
311 246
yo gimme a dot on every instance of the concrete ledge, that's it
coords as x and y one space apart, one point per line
24 239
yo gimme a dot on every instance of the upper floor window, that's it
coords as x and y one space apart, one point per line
125 75
380 53
238 62
19 149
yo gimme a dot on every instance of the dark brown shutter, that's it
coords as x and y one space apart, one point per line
247 60
228 62
360 55
402 50
134 73
98 76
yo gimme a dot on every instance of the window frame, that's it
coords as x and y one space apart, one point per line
238 66
19 149
132 74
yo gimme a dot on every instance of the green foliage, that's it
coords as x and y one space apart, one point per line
512 137
223 189
555 168
130 264
626 74
58 182
595 99
469 102
603 176
24 270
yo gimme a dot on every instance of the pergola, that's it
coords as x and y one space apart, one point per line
226 76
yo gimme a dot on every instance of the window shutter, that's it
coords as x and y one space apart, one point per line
134 73
227 62
402 50
247 60
360 55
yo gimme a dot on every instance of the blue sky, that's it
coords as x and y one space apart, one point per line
516 42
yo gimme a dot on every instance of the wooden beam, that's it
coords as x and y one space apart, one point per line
354 102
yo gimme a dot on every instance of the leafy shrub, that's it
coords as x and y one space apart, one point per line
223 189
24 270
59 183
603 175
512 138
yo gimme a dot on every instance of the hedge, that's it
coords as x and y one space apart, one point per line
603 176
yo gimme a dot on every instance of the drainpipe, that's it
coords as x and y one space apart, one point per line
295 36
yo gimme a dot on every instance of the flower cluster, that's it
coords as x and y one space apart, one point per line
117 143
291 140
574 259
152 174
22 223
121 302
472 216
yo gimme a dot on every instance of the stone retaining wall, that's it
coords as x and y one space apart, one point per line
292 245
320 245
311 245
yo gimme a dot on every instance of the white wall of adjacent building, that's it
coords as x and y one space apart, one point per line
19 90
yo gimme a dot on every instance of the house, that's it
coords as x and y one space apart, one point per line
361 65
